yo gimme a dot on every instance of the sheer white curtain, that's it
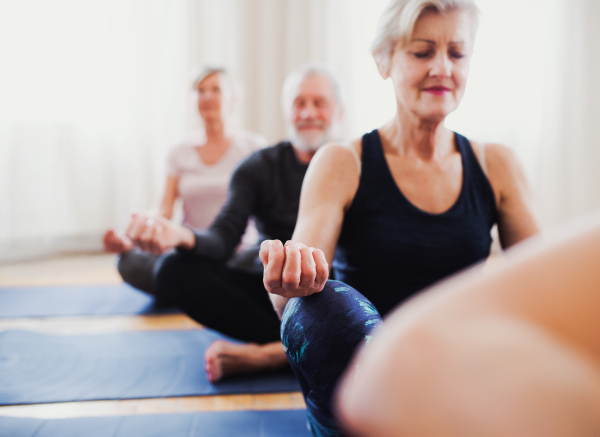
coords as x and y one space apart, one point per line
569 154
93 93
534 87
91 96
97 91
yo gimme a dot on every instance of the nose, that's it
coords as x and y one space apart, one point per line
441 66
309 111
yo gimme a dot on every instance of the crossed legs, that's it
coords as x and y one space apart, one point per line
230 301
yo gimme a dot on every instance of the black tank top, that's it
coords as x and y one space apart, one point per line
389 249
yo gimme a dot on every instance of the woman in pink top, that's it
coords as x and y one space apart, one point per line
198 171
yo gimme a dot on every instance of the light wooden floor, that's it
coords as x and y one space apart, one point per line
100 269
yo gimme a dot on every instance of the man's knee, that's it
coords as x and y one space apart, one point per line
168 270
136 267
175 272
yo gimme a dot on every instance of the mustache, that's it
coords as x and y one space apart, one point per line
305 124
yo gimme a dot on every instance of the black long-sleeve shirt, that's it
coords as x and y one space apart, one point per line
265 186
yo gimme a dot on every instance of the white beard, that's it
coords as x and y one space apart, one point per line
310 142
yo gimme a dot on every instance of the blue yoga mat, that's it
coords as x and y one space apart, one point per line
206 424
38 368
81 300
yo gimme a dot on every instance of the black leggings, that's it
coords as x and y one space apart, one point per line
136 268
230 301
320 334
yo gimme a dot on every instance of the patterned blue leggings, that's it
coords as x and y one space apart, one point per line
320 334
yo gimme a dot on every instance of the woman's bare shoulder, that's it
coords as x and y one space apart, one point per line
502 161
502 167
336 171
339 152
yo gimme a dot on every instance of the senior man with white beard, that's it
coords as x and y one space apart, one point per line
230 296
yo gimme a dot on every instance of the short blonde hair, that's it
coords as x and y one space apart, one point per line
397 23
209 71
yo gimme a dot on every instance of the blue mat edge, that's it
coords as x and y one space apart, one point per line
149 308
34 425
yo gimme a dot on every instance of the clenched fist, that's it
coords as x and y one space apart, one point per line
293 270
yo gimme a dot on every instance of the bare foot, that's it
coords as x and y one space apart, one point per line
116 242
223 358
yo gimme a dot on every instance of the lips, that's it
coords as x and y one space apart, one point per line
437 90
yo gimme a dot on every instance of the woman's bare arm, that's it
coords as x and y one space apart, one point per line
169 196
302 269
516 216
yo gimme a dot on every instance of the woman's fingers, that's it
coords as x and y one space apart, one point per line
264 252
307 267
290 279
274 268
135 227
158 243
321 268
293 270
126 243
147 234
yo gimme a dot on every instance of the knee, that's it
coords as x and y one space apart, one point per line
175 273
126 265
337 303
168 270
135 267
339 313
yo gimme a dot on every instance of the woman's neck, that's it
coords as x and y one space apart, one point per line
215 132
407 134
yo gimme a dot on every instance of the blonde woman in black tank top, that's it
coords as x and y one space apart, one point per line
425 51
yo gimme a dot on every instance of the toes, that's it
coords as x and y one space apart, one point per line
212 362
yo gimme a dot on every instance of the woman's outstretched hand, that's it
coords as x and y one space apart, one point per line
157 234
116 242
293 270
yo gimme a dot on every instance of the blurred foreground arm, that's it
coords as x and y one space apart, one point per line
513 352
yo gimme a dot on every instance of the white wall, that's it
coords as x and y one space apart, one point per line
94 92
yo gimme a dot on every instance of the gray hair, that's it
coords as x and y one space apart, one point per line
397 23
209 71
300 73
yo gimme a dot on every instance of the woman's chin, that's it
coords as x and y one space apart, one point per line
210 115
435 114
433 117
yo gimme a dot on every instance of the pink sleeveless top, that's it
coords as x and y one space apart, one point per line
202 187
